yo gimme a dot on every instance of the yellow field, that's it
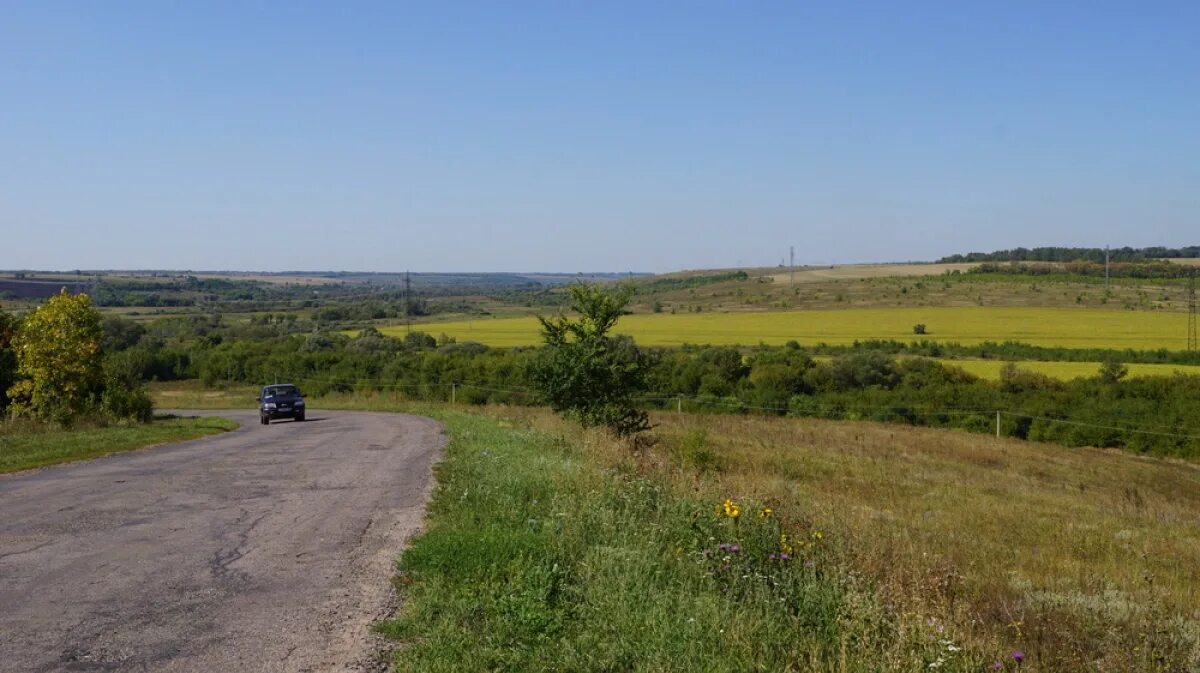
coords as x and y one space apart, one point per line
990 369
1069 327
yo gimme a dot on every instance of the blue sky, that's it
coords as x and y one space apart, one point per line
565 136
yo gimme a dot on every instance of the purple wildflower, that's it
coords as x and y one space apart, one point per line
997 666
1018 656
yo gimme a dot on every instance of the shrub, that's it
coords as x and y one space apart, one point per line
124 397
1112 371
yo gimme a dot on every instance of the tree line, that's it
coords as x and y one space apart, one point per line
586 371
1158 269
601 378
1065 254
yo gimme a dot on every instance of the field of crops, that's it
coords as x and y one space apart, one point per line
990 369
1067 327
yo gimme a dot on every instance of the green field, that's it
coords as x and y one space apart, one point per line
1066 327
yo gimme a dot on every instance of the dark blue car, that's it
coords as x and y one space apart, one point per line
282 400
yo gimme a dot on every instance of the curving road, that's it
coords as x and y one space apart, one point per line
270 548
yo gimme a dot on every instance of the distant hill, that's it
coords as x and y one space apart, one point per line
1056 254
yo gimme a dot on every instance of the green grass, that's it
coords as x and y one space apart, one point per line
24 447
537 557
1067 327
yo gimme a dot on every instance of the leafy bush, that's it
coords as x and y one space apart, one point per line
124 397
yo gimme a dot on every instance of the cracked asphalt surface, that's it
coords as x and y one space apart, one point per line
270 548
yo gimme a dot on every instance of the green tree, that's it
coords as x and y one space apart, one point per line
8 356
586 374
1112 371
58 359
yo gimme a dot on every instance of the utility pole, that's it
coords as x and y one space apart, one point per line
1192 311
408 302
792 266
1106 269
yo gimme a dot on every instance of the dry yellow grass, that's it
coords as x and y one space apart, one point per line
809 274
1086 559
194 395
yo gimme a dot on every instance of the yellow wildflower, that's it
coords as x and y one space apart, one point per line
732 510
766 513
783 544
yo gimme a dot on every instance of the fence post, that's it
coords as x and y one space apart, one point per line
997 424
453 391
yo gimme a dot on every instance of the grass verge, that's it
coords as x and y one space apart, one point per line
537 555
24 447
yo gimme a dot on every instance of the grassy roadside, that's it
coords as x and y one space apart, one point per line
549 548
539 556
911 549
24 447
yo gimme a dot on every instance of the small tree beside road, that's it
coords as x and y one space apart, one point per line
61 372
586 374
59 366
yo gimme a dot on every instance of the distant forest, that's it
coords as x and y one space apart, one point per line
1056 254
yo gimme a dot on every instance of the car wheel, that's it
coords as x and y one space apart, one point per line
300 416
266 420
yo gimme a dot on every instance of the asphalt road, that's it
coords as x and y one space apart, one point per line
265 549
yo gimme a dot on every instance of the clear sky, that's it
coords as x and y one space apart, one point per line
571 136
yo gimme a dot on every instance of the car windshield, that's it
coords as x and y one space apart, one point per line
273 391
